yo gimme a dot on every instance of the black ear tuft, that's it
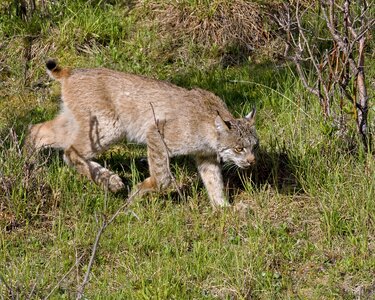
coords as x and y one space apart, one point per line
251 115
51 64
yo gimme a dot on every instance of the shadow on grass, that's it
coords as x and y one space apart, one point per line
122 165
276 169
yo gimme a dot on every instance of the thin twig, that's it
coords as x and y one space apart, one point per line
341 42
106 223
91 262
8 287
77 267
168 153
32 291
62 278
326 101
285 21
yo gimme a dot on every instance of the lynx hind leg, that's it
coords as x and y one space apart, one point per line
93 135
210 171
158 162
92 170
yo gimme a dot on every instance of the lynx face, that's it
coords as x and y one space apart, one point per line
237 140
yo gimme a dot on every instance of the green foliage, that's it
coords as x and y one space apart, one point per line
306 227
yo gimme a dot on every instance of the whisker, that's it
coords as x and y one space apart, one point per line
227 166
230 167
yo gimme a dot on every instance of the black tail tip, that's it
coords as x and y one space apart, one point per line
51 64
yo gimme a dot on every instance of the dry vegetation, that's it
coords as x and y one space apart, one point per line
233 31
216 23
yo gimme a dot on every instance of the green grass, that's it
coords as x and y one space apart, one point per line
307 231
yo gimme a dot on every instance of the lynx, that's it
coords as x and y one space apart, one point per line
101 106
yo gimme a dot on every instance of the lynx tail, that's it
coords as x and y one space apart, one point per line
55 71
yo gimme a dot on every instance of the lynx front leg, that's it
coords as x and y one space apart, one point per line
158 163
93 170
210 172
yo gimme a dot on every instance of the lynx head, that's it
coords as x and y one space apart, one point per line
237 140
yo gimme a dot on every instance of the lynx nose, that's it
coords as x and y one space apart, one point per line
250 159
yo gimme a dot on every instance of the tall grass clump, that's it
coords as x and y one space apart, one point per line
224 32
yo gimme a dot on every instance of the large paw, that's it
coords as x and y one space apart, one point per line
115 183
222 203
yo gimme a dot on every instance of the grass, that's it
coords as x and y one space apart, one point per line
307 231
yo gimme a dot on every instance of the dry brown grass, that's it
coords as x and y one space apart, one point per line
244 25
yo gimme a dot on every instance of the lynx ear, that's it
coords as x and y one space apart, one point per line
251 116
221 125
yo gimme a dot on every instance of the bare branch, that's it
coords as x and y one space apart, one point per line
91 261
8 287
284 22
168 153
62 278
339 66
325 102
105 224
331 26
302 75
347 20
362 33
365 8
32 291
343 43
362 93
127 203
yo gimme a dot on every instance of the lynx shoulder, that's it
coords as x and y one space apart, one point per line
101 106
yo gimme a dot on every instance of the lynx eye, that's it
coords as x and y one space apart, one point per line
238 149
